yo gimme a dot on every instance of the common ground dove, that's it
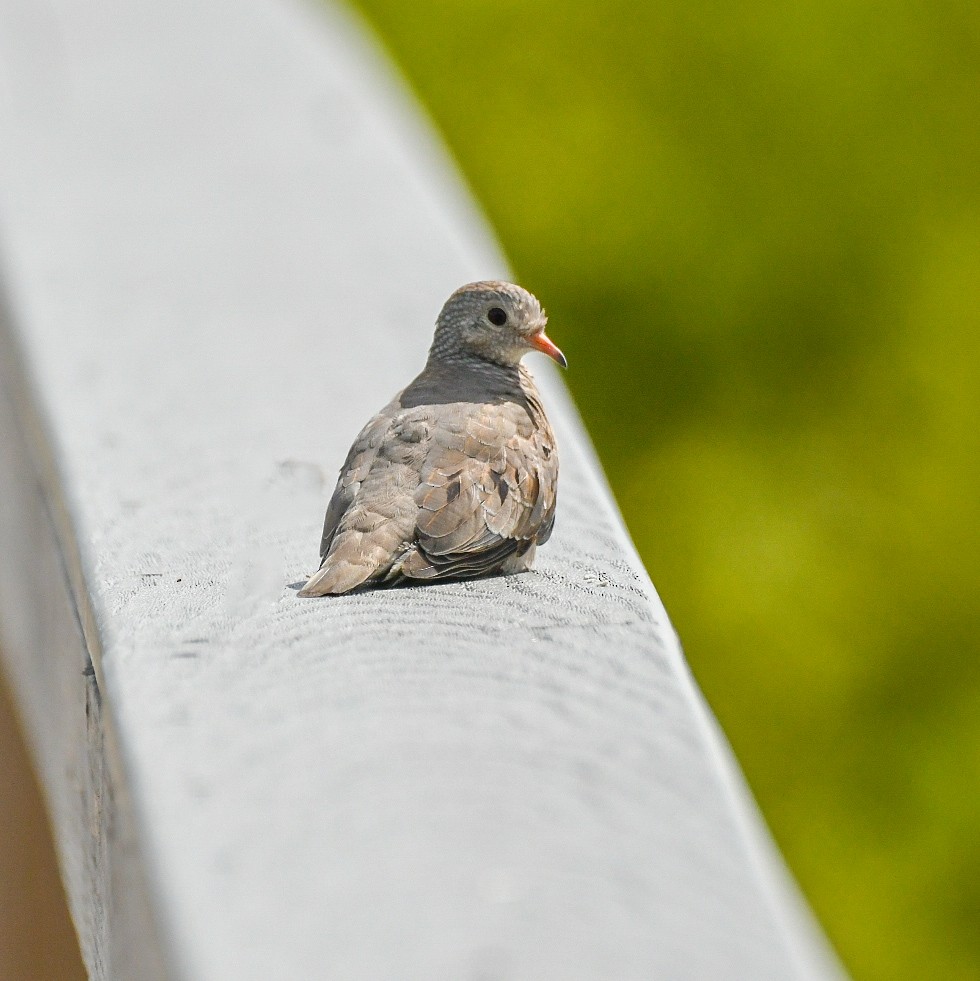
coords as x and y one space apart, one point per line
456 477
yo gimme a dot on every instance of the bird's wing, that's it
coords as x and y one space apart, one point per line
353 473
370 521
487 492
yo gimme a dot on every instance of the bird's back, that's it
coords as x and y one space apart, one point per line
455 478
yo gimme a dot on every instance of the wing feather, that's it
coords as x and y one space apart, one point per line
353 473
485 494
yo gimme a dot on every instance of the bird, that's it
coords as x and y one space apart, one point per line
456 478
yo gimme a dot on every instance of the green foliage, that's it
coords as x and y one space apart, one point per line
757 232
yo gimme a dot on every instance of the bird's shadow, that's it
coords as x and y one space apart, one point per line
371 587
400 584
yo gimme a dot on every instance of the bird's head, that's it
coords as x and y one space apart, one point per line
495 321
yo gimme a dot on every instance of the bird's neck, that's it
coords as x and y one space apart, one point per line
473 366
464 378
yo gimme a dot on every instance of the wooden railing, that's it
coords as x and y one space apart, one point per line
225 234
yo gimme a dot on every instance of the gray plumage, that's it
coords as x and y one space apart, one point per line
457 476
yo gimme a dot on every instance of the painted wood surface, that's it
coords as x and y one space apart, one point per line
225 234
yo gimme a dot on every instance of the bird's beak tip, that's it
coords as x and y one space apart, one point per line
541 342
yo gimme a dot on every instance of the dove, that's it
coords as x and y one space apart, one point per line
456 478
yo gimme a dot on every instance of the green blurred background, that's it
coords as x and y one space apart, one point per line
755 228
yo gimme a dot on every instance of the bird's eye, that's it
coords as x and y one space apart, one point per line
497 317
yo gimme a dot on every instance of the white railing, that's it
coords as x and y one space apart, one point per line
224 236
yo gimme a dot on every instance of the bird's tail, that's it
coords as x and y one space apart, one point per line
364 551
336 577
354 559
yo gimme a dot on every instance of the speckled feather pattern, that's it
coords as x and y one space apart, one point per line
457 477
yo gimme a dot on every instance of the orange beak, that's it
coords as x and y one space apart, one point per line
541 342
